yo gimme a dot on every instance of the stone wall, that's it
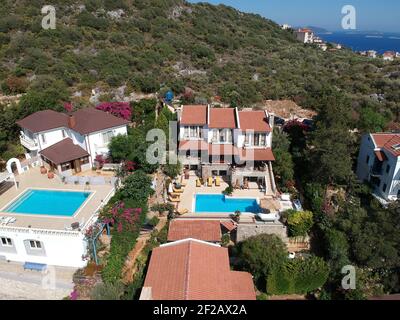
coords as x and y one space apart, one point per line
246 230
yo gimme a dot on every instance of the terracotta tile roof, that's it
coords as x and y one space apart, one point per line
193 145
254 120
256 155
194 115
229 225
222 149
64 151
206 230
87 120
222 118
195 270
387 141
43 121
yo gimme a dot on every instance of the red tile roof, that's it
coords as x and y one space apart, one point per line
222 149
222 118
195 270
254 120
64 151
387 141
250 154
229 225
43 121
185 145
194 115
87 120
206 230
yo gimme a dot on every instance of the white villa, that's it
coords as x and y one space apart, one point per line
226 142
304 35
69 144
379 164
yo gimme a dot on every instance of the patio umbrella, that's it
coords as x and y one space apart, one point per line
170 190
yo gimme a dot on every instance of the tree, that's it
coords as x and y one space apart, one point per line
371 121
137 187
261 254
299 222
283 165
298 276
172 170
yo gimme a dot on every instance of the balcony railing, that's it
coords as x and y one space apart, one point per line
376 172
28 142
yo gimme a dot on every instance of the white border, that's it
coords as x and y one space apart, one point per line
92 193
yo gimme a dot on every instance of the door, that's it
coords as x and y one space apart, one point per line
77 165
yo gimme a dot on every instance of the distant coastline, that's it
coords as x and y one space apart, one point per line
363 41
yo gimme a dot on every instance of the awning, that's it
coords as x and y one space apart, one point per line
222 150
193 145
257 155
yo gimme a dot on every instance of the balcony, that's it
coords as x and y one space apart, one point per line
28 143
376 171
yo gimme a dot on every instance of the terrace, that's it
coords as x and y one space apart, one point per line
33 179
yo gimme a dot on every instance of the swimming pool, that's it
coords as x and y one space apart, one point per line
221 204
48 202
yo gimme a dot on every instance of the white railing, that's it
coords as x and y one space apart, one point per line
28 142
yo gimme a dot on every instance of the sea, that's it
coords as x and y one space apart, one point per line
360 41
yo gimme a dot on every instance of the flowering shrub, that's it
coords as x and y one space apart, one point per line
68 107
118 109
129 166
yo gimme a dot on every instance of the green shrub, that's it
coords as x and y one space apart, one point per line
299 223
107 291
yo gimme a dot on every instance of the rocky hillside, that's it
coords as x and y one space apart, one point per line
120 47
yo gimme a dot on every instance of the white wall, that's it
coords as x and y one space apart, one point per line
51 137
96 143
60 250
367 149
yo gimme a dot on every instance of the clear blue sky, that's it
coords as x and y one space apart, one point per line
380 15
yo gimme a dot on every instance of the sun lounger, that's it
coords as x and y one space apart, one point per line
34 266
8 220
209 182
178 190
182 211
198 183
217 181
174 199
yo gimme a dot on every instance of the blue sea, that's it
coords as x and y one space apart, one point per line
359 41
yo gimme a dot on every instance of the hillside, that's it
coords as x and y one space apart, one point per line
120 47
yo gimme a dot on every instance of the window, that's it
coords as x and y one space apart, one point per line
107 136
43 136
247 139
367 159
387 168
66 166
215 135
63 133
35 244
84 160
262 140
7 242
186 132
384 187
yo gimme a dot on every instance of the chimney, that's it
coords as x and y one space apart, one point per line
271 119
71 121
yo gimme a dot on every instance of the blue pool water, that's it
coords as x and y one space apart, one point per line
48 202
220 203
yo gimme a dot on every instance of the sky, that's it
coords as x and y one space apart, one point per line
371 15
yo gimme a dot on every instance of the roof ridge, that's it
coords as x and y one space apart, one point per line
187 275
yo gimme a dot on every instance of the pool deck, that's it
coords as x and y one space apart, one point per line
34 180
190 190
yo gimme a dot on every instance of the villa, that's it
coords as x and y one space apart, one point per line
69 144
304 35
191 269
236 145
379 164
45 219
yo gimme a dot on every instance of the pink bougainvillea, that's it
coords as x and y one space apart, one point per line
121 217
74 295
118 109
129 166
68 107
